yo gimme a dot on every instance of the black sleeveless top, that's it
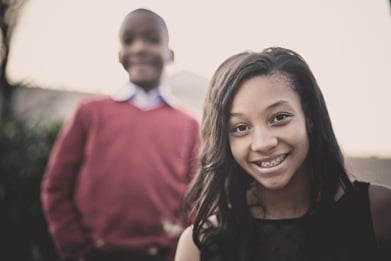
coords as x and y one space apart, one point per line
342 232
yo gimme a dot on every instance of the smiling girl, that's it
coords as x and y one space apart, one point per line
272 183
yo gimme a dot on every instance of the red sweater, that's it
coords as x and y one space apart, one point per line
114 173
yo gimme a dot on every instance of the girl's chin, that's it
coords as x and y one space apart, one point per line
273 184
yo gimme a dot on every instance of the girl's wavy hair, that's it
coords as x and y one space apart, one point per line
216 200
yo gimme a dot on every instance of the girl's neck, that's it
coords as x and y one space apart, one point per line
285 205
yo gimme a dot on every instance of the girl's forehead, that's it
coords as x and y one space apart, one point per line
262 92
271 81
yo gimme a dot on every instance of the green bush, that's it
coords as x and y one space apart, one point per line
24 150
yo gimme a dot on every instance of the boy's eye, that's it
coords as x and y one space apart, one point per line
149 39
127 40
153 39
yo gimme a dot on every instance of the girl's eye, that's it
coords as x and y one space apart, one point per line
280 117
240 128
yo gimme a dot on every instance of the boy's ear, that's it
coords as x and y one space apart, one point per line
119 56
170 56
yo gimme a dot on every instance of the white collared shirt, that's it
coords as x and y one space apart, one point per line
144 100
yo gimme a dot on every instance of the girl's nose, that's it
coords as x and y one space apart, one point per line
263 141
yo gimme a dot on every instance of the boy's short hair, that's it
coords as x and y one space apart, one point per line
160 19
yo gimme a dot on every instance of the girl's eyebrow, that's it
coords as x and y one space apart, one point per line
235 114
271 106
276 104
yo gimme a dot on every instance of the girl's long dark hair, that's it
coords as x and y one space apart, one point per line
216 201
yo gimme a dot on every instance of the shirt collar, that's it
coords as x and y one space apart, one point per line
129 89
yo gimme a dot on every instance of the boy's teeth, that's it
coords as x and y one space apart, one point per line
272 163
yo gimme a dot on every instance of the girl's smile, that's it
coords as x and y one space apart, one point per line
270 163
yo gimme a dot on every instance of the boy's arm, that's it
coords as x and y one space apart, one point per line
57 190
194 150
380 203
174 229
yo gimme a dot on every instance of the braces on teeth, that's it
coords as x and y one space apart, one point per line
272 163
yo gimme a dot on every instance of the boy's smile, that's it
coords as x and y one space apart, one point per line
144 49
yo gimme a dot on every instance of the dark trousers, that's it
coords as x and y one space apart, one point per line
162 255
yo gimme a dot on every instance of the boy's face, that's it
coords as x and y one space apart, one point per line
144 49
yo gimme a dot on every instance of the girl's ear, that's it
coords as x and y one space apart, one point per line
310 125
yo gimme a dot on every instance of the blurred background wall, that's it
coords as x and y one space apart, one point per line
73 45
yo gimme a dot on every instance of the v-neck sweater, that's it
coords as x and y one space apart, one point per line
115 172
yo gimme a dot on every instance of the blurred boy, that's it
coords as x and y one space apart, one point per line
120 166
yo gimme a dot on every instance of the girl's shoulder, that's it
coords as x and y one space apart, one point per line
187 249
380 206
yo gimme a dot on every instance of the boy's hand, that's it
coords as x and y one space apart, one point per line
172 229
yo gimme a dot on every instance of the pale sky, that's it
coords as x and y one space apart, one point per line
73 44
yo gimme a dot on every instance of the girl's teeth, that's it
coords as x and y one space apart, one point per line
272 163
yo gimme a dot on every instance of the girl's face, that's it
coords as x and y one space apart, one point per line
267 131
